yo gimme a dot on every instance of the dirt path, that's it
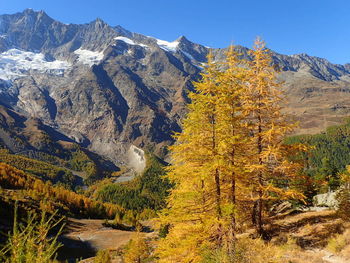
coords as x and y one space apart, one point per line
331 258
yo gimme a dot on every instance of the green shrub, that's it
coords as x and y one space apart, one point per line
30 242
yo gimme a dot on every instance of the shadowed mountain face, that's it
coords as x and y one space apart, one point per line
108 89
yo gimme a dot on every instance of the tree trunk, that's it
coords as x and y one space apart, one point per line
232 230
259 222
216 173
218 193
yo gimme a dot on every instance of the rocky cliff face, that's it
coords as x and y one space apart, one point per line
110 89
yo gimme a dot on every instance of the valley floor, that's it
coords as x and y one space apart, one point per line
84 237
300 238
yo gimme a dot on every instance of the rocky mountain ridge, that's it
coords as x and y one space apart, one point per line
112 90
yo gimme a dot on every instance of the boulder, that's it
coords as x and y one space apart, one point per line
326 200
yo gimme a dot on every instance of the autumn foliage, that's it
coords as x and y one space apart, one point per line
12 178
229 160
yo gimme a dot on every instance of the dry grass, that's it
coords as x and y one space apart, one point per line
258 251
293 253
309 229
337 243
340 245
345 253
306 235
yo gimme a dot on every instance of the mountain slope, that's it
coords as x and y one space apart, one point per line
116 92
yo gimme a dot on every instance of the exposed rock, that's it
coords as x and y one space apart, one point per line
137 158
108 88
281 207
327 199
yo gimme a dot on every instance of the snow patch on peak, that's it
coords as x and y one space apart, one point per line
88 57
15 63
129 41
126 40
168 46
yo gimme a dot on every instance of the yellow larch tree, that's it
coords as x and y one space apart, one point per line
205 166
232 136
138 250
195 204
269 166
230 151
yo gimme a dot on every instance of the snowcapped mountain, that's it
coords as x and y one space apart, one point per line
112 90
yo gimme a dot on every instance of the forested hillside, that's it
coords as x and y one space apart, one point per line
147 191
327 157
33 191
15 183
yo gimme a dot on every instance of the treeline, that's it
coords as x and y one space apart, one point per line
94 166
327 157
39 169
80 161
58 170
75 204
147 191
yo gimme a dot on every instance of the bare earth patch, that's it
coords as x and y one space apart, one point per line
98 236
84 237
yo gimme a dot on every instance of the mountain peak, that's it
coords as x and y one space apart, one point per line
98 21
29 11
122 31
41 14
98 24
182 39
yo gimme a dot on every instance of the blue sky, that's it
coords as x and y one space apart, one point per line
316 27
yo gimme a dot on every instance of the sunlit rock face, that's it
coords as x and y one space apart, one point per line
136 158
326 200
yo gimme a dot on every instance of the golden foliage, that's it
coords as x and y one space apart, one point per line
137 251
229 156
11 177
103 256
